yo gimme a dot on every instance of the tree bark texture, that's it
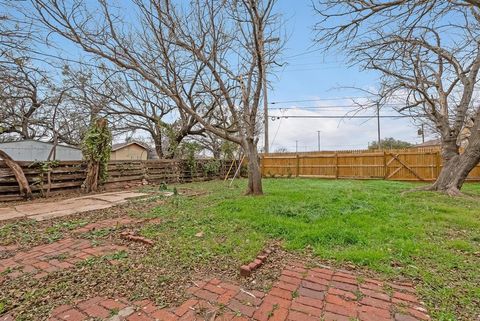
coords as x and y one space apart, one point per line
22 181
456 167
91 180
254 186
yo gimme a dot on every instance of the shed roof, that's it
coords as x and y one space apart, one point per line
432 142
23 141
116 147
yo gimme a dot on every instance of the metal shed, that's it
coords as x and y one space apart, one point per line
34 150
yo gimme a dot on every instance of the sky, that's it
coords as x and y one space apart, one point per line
313 75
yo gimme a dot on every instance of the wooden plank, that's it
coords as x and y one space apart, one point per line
124 179
125 173
336 165
298 165
10 198
317 166
385 166
262 163
363 166
66 184
37 187
317 176
319 156
394 172
407 167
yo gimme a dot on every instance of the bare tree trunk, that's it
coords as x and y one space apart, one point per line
172 148
254 172
158 150
456 167
217 153
157 139
170 154
91 180
19 175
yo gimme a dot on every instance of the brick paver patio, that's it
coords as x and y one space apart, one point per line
43 259
300 294
108 223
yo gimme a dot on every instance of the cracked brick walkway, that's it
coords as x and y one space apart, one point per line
43 259
108 223
300 294
63 254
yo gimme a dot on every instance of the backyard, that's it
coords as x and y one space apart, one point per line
368 227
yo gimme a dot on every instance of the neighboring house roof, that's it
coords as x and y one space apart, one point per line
116 147
432 142
24 141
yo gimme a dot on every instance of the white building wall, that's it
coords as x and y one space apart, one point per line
30 150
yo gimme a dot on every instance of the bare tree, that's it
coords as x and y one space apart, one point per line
428 56
210 143
19 99
137 105
21 83
15 34
27 91
23 91
200 55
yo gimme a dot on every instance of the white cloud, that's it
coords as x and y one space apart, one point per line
336 134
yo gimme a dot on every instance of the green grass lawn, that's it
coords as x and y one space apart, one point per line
426 237
431 239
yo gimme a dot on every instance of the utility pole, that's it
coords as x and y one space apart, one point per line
423 134
318 132
296 146
378 127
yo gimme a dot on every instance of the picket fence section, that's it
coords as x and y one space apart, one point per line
69 175
401 165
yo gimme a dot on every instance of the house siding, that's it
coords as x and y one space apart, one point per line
130 152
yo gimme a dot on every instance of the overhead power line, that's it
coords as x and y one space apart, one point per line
324 99
312 100
303 53
338 116
331 106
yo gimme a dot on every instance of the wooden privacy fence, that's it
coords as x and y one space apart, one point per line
68 175
401 165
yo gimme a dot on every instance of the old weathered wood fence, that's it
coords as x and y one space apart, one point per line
402 165
68 175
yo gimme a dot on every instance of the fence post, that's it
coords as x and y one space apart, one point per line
144 169
336 165
298 165
385 167
437 164
178 169
262 162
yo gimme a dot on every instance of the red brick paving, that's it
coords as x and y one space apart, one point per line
43 259
6 248
108 223
300 294
62 254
